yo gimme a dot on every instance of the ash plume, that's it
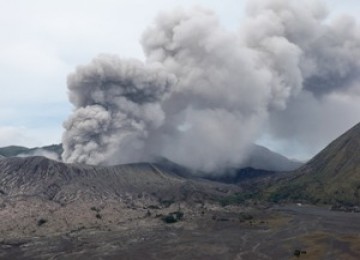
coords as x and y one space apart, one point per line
205 93
328 103
117 105
330 49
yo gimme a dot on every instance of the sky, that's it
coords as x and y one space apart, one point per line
41 42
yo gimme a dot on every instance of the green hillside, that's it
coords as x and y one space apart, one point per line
331 177
13 150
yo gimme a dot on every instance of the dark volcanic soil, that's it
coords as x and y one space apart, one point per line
227 233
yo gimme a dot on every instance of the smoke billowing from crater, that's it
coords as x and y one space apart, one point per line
118 104
205 93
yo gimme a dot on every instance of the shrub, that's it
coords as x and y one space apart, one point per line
236 199
297 252
169 219
245 216
95 209
173 217
41 222
179 215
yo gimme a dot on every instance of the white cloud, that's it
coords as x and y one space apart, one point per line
10 135
29 137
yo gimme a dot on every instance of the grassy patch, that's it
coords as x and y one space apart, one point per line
237 198
324 245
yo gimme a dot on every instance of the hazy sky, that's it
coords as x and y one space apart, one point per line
41 42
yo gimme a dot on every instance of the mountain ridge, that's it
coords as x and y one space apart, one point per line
330 177
259 157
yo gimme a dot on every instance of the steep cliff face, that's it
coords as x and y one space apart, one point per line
332 176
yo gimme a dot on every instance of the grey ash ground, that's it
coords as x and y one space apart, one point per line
51 210
218 233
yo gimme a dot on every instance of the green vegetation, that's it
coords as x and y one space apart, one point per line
331 177
97 210
169 219
173 217
41 222
237 198
245 217
11 151
292 192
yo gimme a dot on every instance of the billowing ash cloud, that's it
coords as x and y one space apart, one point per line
224 91
330 49
330 64
205 93
117 104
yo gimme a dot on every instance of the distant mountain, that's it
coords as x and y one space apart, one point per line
243 176
13 150
261 166
259 157
262 158
331 177
10 151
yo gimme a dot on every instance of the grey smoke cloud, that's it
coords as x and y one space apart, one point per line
329 101
308 123
330 50
117 104
205 93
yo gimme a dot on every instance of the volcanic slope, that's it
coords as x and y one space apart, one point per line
331 177
52 180
258 157
262 158
68 197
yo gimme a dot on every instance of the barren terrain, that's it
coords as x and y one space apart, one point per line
206 232
51 210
